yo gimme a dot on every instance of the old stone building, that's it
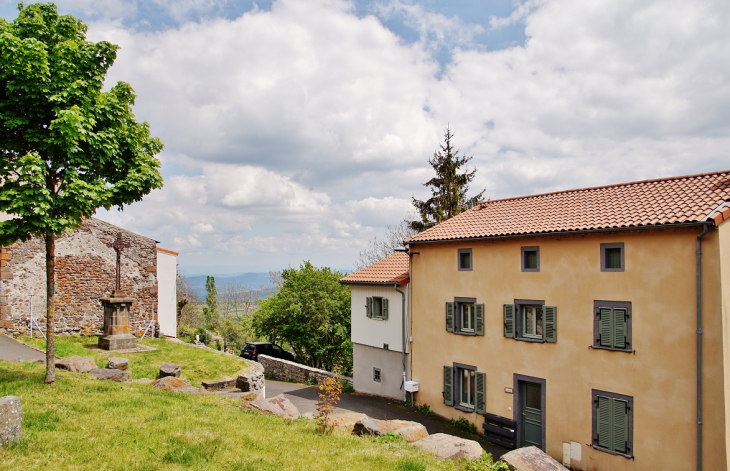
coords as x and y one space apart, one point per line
85 272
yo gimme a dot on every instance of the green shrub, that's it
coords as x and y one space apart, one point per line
346 387
389 437
463 424
425 409
485 463
312 381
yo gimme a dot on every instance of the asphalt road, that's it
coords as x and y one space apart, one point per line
305 399
12 350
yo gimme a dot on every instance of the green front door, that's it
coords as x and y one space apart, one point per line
532 414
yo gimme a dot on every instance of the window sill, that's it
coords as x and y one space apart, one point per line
464 408
597 347
469 334
630 457
525 339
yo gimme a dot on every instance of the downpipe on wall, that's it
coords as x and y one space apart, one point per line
403 331
705 228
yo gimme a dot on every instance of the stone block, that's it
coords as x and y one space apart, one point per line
531 458
410 431
450 447
118 363
111 374
169 369
170 382
220 384
252 381
278 405
11 420
76 364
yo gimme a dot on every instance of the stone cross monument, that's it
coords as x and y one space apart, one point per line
116 333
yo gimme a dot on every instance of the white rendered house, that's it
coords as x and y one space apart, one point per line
379 313
167 291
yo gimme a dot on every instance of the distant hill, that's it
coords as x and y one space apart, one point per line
254 281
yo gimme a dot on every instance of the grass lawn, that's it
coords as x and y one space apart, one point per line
83 423
197 364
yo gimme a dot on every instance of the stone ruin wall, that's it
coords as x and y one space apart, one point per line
85 272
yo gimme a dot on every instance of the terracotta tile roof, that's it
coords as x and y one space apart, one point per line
391 269
667 201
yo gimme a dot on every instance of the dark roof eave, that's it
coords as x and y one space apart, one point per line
376 283
563 232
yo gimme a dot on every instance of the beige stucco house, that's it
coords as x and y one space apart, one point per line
379 320
580 321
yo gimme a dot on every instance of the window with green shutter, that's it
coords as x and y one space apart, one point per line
376 307
530 320
465 388
612 325
613 422
465 316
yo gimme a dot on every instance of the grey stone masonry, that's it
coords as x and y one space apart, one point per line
11 420
253 380
283 370
85 272
118 363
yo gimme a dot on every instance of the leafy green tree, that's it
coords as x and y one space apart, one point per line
66 147
448 188
210 311
311 312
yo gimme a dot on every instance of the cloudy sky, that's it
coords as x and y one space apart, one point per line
298 129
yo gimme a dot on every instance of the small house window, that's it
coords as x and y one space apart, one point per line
467 312
613 423
376 375
531 259
465 260
612 257
467 387
376 307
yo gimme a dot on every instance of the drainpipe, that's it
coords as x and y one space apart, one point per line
403 328
705 228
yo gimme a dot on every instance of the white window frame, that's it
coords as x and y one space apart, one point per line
534 323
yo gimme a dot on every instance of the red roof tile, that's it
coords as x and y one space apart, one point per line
391 269
667 201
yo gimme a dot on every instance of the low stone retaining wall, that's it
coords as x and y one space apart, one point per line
284 370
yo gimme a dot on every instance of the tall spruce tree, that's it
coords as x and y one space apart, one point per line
448 188
66 147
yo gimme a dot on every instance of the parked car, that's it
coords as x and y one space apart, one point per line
252 350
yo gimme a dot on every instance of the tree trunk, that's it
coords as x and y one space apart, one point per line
50 307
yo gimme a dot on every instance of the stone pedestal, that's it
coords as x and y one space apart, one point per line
117 334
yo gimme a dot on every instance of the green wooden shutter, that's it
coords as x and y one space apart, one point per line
620 426
385 308
509 320
369 307
603 422
448 385
604 326
620 328
551 321
479 316
450 317
481 388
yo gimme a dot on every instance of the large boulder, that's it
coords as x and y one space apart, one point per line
345 421
118 364
111 374
169 369
171 382
76 364
11 420
450 447
410 431
531 458
278 405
